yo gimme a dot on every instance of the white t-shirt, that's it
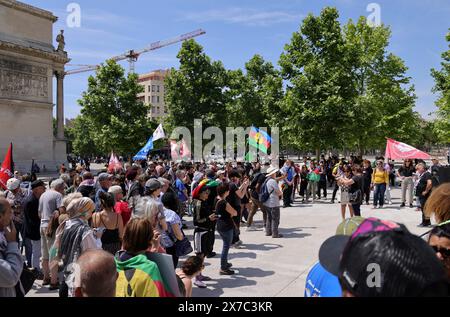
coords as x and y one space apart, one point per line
274 200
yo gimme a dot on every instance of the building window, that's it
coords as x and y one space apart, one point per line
153 99
157 99
149 88
165 110
153 88
157 88
157 110
153 109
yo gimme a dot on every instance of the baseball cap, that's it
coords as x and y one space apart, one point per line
331 250
103 177
37 183
390 263
153 184
13 183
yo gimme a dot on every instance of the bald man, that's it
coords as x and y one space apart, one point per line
98 274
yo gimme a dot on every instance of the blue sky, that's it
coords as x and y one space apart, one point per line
236 30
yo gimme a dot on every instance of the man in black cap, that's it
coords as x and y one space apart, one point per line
383 259
33 223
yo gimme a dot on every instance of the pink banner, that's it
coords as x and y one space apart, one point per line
397 150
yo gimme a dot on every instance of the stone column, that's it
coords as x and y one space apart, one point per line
60 104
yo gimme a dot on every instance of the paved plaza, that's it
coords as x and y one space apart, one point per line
270 267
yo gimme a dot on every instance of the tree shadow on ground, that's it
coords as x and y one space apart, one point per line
293 233
240 279
262 246
247 255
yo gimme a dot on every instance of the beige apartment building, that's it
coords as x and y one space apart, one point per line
153 94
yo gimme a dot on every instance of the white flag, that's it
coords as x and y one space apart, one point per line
159 133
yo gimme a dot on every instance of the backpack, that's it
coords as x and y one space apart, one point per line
264 194
254 181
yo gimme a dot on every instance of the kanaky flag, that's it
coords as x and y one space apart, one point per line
397 150
6 171
114 163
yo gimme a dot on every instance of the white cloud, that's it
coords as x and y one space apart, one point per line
250 17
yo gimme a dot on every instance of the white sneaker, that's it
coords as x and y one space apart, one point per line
390 202
251 228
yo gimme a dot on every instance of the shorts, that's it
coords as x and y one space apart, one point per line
46 244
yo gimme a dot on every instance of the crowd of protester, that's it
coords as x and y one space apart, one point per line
112 225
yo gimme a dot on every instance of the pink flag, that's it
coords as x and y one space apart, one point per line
185 151
179 150
397 150
114 163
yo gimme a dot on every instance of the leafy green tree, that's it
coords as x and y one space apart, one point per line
253 97
442 78
116 119
195 91
384 104
319 92
80 135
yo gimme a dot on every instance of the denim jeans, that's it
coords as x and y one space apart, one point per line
36 254
378 196
273 221
227 237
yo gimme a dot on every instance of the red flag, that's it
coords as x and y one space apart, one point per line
6 171
114 163
397 150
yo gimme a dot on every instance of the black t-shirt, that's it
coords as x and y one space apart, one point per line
233 198
258 179
357 179
367 174
31 215
422 184
406 171
224 223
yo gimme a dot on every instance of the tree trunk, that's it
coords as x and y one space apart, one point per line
318 154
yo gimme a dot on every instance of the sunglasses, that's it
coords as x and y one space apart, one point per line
445 252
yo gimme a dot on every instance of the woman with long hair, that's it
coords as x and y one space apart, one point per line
109 224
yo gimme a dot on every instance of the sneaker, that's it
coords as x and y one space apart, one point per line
402 205
332 201
278 236
425 224
229 265
203 278
375 206
211 255
226 272
390 202
200 284
411 206
239 243
381 206
251 228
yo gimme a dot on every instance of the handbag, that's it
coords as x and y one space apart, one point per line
183 247
26 282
